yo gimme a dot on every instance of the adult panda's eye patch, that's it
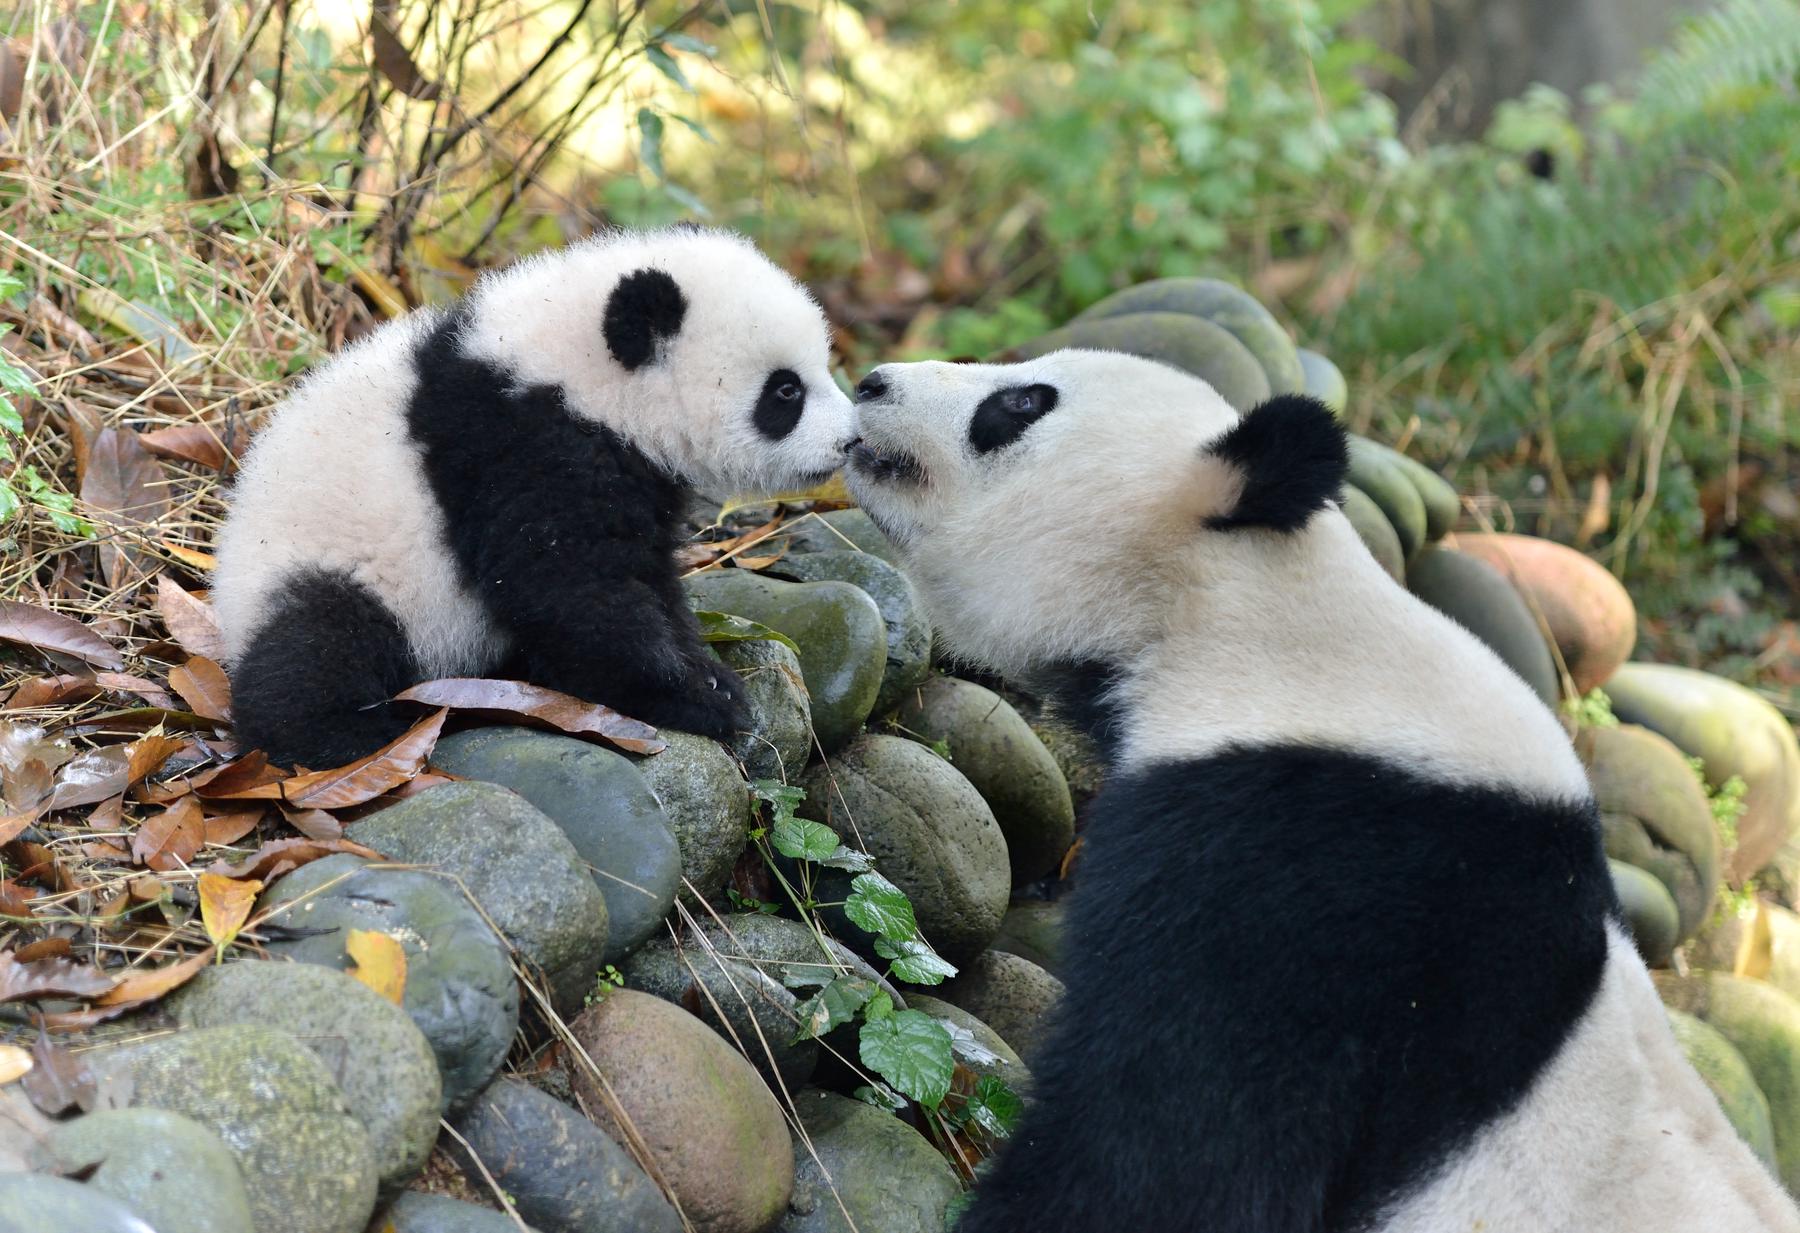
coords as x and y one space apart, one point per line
1004 415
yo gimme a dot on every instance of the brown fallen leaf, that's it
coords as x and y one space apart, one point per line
202 685
38 627
190 443
225 905
93 775
146 755
44 948
135 989
279 856
230 825
124 481
193 558
533 704
380 962
63 978
170 839
364 779
59 1080
15 901
239 778
125 683
140 719
50 690
191 620
313 823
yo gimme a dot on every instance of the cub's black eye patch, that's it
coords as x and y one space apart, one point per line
645 307
1004 415
779 405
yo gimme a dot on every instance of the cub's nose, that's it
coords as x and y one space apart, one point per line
871 387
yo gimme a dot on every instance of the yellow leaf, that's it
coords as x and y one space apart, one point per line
15 1063
832 490
1755 952
380 962
225 905
205 562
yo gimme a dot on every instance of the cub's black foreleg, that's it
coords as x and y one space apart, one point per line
312 687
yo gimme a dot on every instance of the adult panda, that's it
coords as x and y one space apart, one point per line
1345 956
499 486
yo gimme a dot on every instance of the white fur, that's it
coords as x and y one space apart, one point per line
1085 539
334 479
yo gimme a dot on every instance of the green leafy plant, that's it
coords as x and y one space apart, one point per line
1726 802
1591 710
913 1054
23 489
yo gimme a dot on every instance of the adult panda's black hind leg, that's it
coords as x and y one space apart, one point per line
311 689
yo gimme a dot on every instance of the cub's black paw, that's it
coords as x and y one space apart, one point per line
712 704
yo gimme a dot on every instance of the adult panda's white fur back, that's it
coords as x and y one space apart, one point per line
497 487
1381 984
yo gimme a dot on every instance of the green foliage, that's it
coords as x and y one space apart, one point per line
1726 801
24 491
910 1050
1740 45
1592 710
724 627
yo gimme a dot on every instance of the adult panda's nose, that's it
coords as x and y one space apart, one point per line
871 387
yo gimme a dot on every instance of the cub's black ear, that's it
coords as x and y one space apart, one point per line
1291 455
644 308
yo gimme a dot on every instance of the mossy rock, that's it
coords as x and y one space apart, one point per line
838 628
1724 1070
779 739
867 1172
1473 594
1442 505
1649 911
1192 344
1654 815
1373 469
1375 531
1763 1025
1734 732
1324 382
908 628
1231 308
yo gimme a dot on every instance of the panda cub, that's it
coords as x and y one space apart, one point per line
1345 956
498 487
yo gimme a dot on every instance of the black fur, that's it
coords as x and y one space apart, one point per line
779 405
1003 416
312 687
644 308
563 530
1300 980
1293 457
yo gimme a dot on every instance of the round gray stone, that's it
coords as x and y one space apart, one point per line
1014 996
779 740
1033 929
460 991
868 1164
707 804
416 1212
930 833
601 803
564 1174
838 628
169 1169
517 865
306 1161
1007 1064
380 1059
996 750
758 1011
908 628
35 1203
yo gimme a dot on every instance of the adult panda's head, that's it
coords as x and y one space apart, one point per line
688 342
1053 510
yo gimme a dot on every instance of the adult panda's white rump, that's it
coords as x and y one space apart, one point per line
334 482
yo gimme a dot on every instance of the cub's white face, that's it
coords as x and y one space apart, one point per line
690 343
1043 506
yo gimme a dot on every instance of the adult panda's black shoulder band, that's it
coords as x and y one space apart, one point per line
1292 455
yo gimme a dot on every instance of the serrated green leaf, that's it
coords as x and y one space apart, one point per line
834 1005
10 419
915 961
879 906
995 1107
14 379
665 64
803 840
850 859
911 1051
9 502
880 1006
724 627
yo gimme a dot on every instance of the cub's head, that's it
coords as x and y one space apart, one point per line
1052 509
688 342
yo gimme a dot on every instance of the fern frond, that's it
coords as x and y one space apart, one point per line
1740 45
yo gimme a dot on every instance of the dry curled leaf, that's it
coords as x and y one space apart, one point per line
146 755
225 905
50 690
279 856
380 962
202 685
38 627
125 483
228 825
49 978
191 621
314 823
196 443
15 901
533 704
93 775
362 780
125 683
240 778
59 1080
170 839
136 988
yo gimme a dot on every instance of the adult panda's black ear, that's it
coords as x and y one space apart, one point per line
1291 455
645 307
